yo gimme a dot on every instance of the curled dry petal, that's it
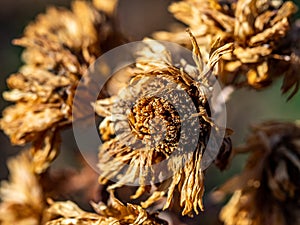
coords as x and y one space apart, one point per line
114 213
25 122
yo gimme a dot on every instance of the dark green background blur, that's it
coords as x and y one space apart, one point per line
138 19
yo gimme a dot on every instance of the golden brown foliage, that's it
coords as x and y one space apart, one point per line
243 42
268 190
23 202
115 213
59 47
22 196
259 31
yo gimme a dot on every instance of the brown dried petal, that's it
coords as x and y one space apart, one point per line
287 9
263 20
23 122
184 12
273 33
251 55
115 213
70 213
22 196
40 85
245 15
45 149
50 55
258 76
189 181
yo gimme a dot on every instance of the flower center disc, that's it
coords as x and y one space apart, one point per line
156 123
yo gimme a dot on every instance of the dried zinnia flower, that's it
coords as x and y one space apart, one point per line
258 30
115 213
22 196
60 46
268 190
142 127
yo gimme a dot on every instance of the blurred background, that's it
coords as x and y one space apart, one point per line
15 15
138 19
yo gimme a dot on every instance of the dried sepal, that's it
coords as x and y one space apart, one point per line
259 31
267 191
22 196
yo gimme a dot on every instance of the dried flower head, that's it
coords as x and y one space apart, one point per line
115 213
257 28
142 126
268 190
59 47
22 196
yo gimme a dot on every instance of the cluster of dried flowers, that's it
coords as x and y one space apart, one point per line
260 31
60 46
242 42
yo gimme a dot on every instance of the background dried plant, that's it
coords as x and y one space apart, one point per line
60 46
267 191
259 30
